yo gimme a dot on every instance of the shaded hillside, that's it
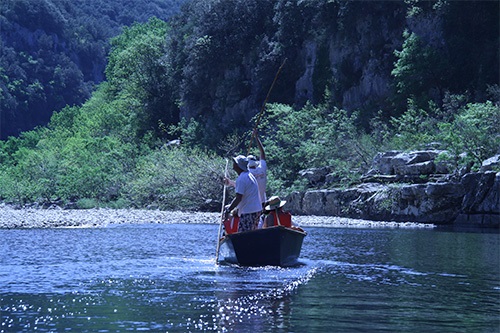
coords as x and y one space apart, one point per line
362 55
54 52
222 56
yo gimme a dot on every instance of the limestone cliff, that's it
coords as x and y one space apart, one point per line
411 191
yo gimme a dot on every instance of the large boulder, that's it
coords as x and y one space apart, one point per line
415 169
411 163
294 203
382 163
492 163
315 176
428 203
373 202
481 194
471 199
313 202
481 202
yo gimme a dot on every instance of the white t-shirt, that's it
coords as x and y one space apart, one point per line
247 186
260 173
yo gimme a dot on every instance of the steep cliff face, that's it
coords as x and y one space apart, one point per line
223 55
359 62
344 49
347 49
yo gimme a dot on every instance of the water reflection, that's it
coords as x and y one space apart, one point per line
259 297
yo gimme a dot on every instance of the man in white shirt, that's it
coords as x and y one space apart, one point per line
258 168
247 198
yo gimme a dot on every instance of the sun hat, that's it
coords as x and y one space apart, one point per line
241 161
274 202
252 161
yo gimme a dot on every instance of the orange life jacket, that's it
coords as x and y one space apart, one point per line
231 224
285 218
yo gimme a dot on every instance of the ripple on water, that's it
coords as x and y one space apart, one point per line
143 278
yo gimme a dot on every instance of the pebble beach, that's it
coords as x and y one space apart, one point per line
14 218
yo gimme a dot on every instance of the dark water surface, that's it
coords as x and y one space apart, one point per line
163 278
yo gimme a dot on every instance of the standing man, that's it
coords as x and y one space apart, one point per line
258 168
247 198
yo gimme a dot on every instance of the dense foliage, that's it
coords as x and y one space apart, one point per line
54 51
369 56
176 80
317 136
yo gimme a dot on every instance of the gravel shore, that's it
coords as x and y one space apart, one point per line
56 218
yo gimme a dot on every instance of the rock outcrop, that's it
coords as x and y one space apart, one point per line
411 187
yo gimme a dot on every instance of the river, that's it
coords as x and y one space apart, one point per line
163 278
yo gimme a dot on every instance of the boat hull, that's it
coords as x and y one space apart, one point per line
275 246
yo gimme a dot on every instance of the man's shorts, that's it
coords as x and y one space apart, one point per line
249 221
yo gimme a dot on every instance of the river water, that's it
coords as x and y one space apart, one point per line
163 278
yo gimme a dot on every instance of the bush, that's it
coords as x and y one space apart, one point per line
474 131
314 136
86 203
413 129
176 178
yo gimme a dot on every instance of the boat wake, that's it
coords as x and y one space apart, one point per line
254 303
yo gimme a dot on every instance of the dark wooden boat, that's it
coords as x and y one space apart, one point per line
274 246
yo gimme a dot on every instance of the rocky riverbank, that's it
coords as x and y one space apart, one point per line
415 189
13 218
416 186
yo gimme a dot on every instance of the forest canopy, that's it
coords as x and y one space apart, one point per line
55 51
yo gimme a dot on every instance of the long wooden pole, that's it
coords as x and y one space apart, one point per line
221 215
264 105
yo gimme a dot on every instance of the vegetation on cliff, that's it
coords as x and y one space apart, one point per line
54 53
200 78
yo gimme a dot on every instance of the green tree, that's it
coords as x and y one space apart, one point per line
475 131
313 136
137 70
473 42
176 178
414 128
419 71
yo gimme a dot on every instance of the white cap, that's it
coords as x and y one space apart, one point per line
252 161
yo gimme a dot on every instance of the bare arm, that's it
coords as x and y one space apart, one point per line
261 147
234 203
229 182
